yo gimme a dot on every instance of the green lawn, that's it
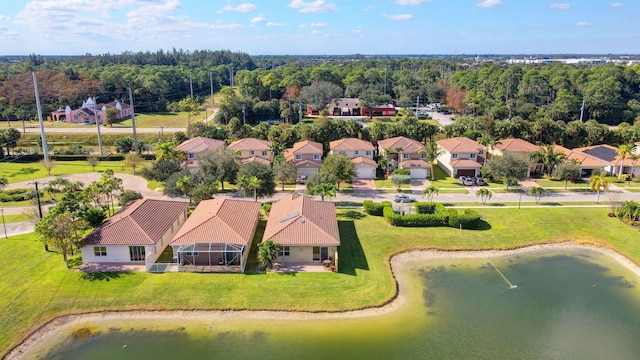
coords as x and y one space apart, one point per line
168 119
442 180
36 287
16 172
554 183
388 184
15 218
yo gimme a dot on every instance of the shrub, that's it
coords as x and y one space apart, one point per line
375 209
128 196
266 207
469 219
426 207
401 172
16 195
161 170
415 220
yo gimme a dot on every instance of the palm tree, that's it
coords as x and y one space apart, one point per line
484 195
598 182
537 193
548 156
268 252
429 192
623 151
489 142
324 190
3 182
184 184
166 150
431 153
254 183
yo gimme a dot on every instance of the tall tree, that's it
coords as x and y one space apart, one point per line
324 190
429 192
61 232
548 156
567 171
599 183
506 167
623 151
284 171
265 185
339 166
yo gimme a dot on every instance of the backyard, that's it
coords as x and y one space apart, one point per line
36 287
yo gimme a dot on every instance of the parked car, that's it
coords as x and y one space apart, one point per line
466 180
302 179
478 180
403 198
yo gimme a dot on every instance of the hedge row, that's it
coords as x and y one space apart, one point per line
375 209
15 195
415 220
469 219
426 215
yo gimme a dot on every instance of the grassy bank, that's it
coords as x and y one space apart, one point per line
16 172
36 287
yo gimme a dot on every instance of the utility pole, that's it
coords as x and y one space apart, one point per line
4 225
95 111
231 77
45 148
299 110
37 191
417 105
133 123
244 116
582 110
211 82
191 85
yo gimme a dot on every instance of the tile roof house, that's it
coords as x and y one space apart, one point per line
217 236
306 229
361 154
137 234
460 156
519 148
198 145
90 111
406 153
249 149
306 156
587 163
607 156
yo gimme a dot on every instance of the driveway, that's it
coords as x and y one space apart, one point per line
363 185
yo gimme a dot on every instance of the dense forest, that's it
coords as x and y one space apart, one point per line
273 87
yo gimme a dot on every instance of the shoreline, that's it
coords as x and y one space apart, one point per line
399 262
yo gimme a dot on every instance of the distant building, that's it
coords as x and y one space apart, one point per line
90 112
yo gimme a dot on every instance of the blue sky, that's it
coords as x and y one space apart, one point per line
329 27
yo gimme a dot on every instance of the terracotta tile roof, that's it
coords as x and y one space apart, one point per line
200 144
220 221
516 145
465 163
305 147
350 144
143 222
407 145
308 164
300 220
604 153
249 144
363 160
460 144
256 159
415 163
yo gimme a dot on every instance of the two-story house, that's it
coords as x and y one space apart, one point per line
518 148
306 156
198 145
405 153
361 154
252 149
460 156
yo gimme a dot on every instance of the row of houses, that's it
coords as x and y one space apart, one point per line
458 156
216 237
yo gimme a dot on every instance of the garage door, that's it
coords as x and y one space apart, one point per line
307 171
418 173
466 172
365 173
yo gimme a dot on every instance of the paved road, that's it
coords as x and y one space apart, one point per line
441 118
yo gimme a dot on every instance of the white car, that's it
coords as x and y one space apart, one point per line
466 180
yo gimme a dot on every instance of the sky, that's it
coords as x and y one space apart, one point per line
321 27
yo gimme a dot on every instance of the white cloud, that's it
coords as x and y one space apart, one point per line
321 25
616 4
490 3
274 24
3 17
561 6
410 2
582 23
245 7
318 6
399 17
316 32
258 19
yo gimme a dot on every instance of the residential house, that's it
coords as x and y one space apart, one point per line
252 149
519 148
607 155
137 234
90 112
306 156
405 153
460 156
306 229
217 236
588 164
198 145
361 154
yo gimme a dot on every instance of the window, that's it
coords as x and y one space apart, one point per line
405 156
481 152
454 156
368 153
298 157
316 156
253 152
357 152
284 251
192 156
316 253
423 156
264 152
472 156
100 250
342 152
136 253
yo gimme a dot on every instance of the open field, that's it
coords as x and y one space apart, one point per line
36 287
16 172
166 119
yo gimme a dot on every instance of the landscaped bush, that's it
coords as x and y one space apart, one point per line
415 220
375 209
15 195
469 219
267 207
401 172
428 208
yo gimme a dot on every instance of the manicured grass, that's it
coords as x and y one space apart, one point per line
452 191
45 198
154 185
15 218
16 172
442 180
36 287
388 184
168 119
555 183
504 191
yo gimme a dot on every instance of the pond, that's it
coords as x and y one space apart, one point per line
569 304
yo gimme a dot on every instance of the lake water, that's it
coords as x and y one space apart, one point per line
568 305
